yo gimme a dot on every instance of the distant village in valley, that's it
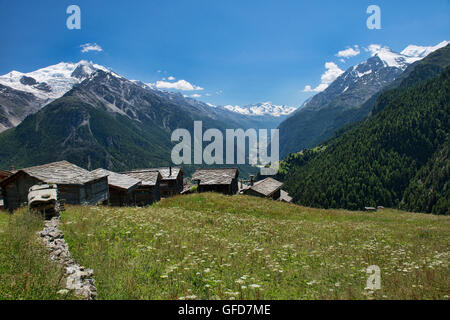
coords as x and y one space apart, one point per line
140 187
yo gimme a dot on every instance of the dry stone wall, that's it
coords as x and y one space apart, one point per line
78 279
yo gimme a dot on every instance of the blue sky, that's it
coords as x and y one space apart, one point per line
238 52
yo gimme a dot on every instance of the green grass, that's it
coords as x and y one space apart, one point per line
210 246
25 269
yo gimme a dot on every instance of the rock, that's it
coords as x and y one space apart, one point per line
78 278
63 292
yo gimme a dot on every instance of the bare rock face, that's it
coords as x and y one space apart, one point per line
79 279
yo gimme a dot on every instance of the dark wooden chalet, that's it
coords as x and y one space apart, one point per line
75 185
122 188
147 191
222 180
267 188
172 180
3 175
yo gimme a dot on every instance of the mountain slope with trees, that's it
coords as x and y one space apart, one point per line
374 163
429 191
352 96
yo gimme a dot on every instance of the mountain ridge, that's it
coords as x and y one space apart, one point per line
344 100
397 157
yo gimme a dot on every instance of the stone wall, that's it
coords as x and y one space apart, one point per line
78 279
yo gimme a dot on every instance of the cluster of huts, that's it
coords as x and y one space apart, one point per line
225 180
132 188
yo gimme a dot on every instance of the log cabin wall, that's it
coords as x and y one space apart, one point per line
15 193
96 191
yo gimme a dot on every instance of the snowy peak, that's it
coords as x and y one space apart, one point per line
262 109
391 58
420 51
383 67
410 54
51 82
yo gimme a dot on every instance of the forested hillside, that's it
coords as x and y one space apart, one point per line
374 163
429 190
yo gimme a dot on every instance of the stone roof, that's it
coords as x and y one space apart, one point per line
215 176
284 196
266 187
61 172
167 173
147 178
117 180
4 174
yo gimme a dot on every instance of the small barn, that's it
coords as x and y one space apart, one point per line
147 191
267 188
221 180
172 180
75 185
122 188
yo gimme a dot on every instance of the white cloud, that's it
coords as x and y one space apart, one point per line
90 47
332 73
171 78
349 52
196 95
178 85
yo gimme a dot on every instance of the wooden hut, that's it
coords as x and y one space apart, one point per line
122 188
172 180
75 185
3 175
147 191
222 180
267 188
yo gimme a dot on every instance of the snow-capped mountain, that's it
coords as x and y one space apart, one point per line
262 109
421 52
359 82
409 55
344 100
22 94
111 122
51 82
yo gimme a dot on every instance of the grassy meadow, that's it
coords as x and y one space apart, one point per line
211 246
25 269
